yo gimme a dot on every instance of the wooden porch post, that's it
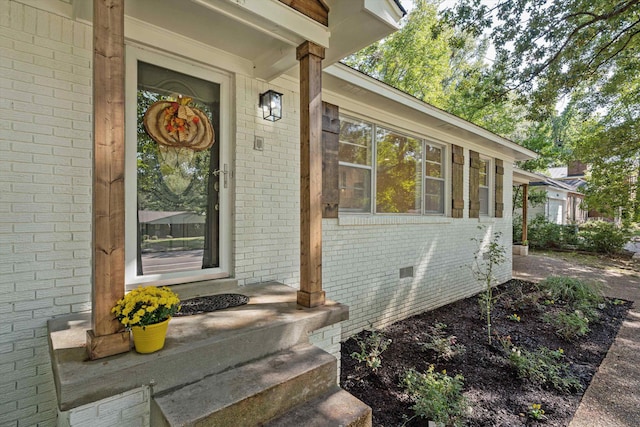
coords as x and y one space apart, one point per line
525 206
310 56
107 338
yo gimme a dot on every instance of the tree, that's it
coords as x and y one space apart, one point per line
429 59
415 59
547 49
587 51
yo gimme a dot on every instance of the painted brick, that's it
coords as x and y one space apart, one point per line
42 105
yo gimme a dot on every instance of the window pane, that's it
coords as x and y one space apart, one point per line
434 154
434 196
434 170
484 201
484 168
355 142
355 189
398 175
177 195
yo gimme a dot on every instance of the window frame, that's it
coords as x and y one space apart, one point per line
424 141
133 55
370 168
490 180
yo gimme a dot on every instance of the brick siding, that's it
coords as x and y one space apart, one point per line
45 198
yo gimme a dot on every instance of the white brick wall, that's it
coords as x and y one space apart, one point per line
267 195
131 409
362 256
45 198
328 339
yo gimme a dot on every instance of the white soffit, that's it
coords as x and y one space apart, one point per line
343 80
356 24
265 32
521 176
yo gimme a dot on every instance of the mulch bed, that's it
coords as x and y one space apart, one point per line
497 397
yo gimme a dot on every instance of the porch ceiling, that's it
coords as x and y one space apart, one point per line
264 32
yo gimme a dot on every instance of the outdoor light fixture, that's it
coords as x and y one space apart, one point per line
271 104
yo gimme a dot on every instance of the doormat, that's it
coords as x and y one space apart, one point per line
210 303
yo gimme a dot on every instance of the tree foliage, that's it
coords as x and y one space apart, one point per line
583 51
415 59
547 48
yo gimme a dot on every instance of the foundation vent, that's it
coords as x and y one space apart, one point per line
406 272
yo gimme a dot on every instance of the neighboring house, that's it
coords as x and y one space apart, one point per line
564 203
404 185
564 187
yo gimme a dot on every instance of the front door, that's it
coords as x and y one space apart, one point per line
177 213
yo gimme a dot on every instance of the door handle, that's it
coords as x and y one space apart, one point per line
225 174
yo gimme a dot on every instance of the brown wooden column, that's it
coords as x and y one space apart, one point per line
525 206
310 56
107 337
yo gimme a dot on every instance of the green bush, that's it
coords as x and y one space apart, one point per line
569 326
516 224
437 396
603 237
444 346
577 293
371 348
543 234
543 366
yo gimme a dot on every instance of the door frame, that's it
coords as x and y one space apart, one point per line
223 136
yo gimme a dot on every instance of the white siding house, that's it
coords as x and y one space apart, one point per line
385 265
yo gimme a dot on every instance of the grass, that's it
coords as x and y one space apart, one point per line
603 262
174 244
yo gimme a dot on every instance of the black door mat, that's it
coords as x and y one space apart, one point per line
210 303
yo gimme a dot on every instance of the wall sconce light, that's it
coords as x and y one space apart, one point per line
271 104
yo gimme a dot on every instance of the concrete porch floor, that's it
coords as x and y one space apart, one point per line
196 346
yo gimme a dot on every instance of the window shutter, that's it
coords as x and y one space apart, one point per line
330 144
457 184
474 184
499 188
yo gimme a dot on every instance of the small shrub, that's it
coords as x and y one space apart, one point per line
487 258
437 396
371 348
569 326
444 346
544 234
572 291
514 317
536 412
603 237
543 366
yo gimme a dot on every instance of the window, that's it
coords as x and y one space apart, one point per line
385 171
434 179
355 154
484 186
398 173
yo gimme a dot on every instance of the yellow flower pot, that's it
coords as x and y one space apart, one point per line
150 338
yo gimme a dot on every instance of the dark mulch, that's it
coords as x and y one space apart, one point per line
210 303
496 396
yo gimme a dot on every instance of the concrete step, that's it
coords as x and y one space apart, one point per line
333 409
251 394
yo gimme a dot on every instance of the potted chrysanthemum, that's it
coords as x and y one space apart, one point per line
146 311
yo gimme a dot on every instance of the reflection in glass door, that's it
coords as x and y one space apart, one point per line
178 172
